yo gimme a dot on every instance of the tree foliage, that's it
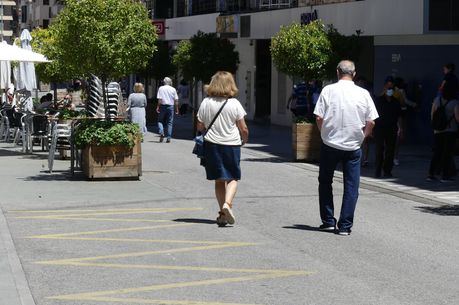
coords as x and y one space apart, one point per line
302 50
204 54
43 42
108 38
312 51
160 65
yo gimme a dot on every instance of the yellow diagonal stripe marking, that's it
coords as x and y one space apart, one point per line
174 268
103 213
107 210
145 301
111 231
144 253
135 240
95 219
90 295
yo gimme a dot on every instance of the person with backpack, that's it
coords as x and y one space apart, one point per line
445 118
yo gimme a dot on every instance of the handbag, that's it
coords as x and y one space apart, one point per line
198 148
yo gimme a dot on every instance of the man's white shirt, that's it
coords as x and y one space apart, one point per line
167 94
345 108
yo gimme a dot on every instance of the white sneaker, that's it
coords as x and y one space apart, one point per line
228 213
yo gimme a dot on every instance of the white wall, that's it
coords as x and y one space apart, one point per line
245 75
185 27
372 17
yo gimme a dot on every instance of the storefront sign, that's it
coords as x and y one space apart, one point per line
307 18
160 27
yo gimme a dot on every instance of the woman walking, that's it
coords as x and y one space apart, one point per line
137 102
223 140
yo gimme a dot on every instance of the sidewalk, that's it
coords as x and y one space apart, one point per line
26 181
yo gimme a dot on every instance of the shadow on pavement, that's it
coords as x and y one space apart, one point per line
196 220
444 210
58 175
305 228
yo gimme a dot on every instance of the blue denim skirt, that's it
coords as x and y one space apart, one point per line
222 162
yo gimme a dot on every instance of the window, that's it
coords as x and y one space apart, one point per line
45 23
203 6
444 15
24 14
45 2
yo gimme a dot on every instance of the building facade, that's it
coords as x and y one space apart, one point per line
38 13
8 20
411 39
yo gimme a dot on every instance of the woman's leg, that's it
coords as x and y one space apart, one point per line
220 190
231 188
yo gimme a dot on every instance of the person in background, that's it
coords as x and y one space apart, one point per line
345 116
222 146
298 101
46 102
387 126
363 83
167 102
444 140
137 102
183 91
400 95
449 76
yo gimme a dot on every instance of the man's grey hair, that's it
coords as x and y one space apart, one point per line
167 81
346 67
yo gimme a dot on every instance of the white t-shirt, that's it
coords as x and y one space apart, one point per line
345 109
224 131
167 94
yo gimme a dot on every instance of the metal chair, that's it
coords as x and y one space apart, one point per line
60 140
40 129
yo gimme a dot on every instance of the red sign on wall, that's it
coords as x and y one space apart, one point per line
160 27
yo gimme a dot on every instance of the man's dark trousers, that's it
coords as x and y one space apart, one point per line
329 159
385 151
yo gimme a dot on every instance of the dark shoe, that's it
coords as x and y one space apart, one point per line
431 178
161 138
344 232
388 176
327 228
447 180
168 140
221 219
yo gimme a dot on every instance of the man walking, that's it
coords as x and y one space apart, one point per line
345 116
167 102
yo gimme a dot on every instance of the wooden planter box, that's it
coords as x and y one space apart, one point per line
113 161
306 142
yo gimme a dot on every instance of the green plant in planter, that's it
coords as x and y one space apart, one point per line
101 133
304 120
67 114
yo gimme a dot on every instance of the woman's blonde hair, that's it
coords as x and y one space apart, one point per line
222 85
138 88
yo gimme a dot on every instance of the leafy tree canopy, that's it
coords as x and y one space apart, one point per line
204 54
55 71
311 51
108 38
302 50
160 65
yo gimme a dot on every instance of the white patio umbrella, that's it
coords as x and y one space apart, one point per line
26 78
5 77
14 53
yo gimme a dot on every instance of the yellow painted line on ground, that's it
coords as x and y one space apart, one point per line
135 240
144 253
145 301
88 296
106 210
96 219
178 268
110 231
102 213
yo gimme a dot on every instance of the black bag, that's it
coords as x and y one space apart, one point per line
440 120
198 148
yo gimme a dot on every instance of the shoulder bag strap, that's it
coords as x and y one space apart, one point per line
213 121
